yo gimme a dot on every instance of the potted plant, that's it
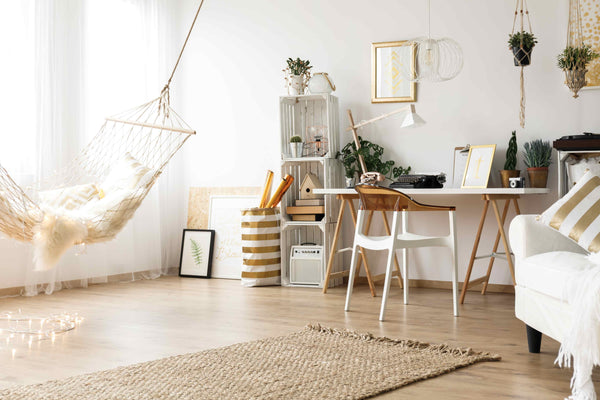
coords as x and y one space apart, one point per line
349 161
521 44
574 60
537 158
297 75
296 146
510 165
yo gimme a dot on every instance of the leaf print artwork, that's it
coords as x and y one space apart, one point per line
197 252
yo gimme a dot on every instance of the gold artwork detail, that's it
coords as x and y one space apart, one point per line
199 200
590 26
393 76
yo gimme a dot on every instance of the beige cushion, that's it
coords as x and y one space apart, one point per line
548 272
577 214
69 198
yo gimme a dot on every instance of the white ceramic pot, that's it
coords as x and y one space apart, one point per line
321 83
296 85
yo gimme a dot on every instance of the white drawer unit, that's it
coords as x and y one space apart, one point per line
306 265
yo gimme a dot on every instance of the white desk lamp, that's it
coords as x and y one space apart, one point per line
411 119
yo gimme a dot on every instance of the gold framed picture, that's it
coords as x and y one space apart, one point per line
479 165
388 83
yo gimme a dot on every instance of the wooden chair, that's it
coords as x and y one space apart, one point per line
373 198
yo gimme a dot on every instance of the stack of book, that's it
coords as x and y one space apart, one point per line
307 210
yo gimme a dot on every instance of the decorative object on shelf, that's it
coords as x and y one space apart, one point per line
388 85
296 146
317 142
521 43
374 176
321 82
577 55
196 253
479 165
297 76
309 183
283 187
261 251
436 60
537 158
510 164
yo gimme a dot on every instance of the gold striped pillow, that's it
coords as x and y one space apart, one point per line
577 214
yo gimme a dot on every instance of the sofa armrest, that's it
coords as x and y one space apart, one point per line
529 237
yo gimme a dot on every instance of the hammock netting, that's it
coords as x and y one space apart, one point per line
147 137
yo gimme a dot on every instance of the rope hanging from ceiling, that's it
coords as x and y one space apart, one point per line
521 55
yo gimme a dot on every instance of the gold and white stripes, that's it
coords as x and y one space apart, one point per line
577 214
261 253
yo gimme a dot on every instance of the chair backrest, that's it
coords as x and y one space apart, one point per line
375 198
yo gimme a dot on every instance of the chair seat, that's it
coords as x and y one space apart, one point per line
414 240
547 273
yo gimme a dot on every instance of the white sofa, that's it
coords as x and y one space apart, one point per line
544 259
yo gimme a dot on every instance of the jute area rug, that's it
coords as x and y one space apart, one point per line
316 363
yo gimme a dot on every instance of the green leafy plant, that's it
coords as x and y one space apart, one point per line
525 39
298 66
573 58
538 153
372 154
295 139
511 152
197 253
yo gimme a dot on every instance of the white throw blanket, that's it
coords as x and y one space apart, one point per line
581 346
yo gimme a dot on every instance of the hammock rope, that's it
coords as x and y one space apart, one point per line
92 198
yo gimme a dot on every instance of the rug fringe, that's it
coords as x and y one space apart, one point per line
412 344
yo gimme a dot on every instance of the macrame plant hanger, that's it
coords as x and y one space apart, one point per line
575 78
522 57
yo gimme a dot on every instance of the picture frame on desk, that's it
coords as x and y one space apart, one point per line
388 84
479 165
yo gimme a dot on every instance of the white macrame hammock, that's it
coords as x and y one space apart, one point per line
72 207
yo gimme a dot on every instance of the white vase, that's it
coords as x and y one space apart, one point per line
296 85
321 83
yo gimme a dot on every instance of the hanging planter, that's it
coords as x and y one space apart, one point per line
577 55
521 44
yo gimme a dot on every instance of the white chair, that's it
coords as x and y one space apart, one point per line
373 198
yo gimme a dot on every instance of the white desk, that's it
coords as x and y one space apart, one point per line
488 195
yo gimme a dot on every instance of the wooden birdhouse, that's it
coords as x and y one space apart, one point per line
310 182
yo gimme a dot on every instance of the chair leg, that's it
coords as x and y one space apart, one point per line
388 279
452 221
405 274
534 339
351 277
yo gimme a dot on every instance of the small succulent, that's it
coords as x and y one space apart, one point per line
295 139
298 66
538 153
573 58
525 39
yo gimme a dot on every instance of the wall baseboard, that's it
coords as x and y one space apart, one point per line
430 284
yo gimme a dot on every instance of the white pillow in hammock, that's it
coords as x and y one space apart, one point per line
125 174
69 198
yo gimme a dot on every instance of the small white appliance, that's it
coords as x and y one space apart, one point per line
306 265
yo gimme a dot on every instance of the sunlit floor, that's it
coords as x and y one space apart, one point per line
145 320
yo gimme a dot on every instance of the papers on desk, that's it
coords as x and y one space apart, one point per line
461 155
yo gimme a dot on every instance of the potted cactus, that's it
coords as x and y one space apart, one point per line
537 158
296 146
510 165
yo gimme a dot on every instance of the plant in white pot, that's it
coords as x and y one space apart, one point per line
296 146
297 75
537 158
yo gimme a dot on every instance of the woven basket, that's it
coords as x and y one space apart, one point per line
261 251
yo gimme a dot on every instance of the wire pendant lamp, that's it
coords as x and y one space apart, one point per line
436 60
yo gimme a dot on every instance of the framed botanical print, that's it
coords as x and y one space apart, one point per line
479 165
391 64
196 253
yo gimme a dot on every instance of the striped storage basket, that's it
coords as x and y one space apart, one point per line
261 252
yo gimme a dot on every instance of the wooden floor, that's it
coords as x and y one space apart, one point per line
132 322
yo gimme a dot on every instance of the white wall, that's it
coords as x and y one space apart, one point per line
230 80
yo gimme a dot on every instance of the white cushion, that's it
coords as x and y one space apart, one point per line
577 214
576 170
69 198
548 272
125 174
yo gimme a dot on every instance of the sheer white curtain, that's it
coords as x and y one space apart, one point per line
74 62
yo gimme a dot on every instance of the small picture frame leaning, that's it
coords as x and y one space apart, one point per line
479 165
196 253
